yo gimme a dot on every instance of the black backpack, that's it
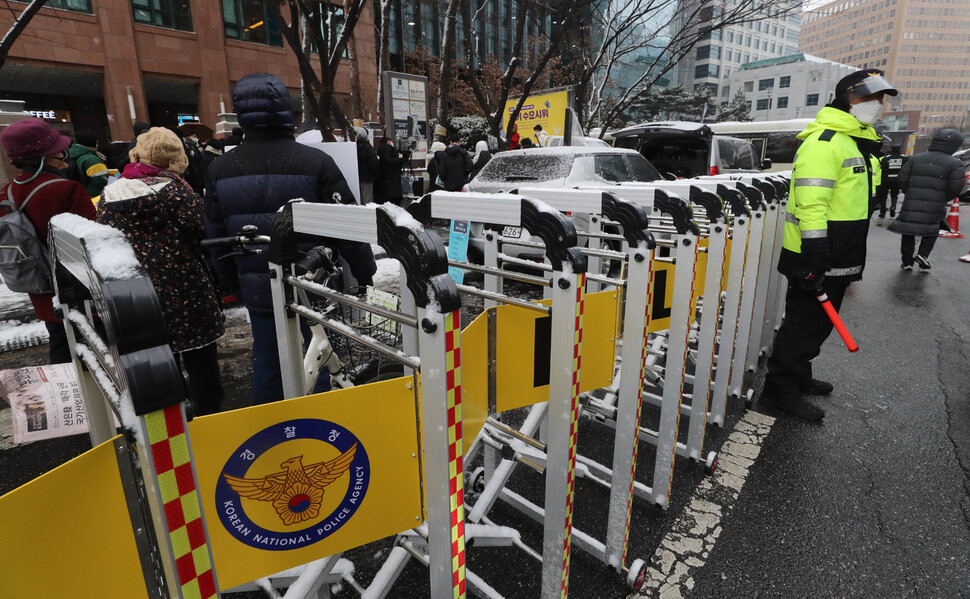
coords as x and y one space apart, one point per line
25 264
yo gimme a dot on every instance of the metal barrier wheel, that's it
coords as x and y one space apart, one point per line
637 574
749 399
710 465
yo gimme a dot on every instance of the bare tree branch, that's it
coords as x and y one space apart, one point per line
17 28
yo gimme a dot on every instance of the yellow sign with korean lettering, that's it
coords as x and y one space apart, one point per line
548 110
290 482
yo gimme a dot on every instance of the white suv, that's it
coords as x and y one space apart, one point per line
563 166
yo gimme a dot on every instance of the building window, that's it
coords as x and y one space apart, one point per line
172 14
811 100
75 5
708 52
764 84
749 86
706 70
784 81
764 104
782 102
250 20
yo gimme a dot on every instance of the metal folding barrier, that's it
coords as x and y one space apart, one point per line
441 542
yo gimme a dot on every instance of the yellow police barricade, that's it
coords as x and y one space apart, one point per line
278 485
437 391
558 390
69 533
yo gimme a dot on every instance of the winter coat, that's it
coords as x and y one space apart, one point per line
163 220
483 157
91 172
454 164
247 185
834 176
387 185
56 198
367 162
930 180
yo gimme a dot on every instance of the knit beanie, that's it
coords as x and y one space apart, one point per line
160 147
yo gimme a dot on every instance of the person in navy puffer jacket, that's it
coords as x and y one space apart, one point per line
246 186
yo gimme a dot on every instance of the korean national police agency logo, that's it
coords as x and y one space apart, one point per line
292 484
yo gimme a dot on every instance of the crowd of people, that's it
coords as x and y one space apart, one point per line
173 190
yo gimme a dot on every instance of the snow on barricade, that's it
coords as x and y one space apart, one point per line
109 252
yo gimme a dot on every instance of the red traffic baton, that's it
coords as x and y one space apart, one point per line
850 343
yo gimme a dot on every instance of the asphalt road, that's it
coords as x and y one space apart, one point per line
874 502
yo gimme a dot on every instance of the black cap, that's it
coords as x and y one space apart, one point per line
863 83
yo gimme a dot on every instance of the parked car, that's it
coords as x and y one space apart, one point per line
555 141
563 166
684 150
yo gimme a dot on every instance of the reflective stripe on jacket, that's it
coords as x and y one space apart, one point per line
828 205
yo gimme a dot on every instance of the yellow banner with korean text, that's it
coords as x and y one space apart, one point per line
546 109
294 481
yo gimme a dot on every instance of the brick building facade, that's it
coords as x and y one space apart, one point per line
100 65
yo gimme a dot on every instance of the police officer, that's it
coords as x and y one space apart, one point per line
835 175
891 164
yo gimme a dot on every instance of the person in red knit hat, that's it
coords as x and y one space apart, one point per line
40 153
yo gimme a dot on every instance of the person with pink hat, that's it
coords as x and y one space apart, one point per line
40 153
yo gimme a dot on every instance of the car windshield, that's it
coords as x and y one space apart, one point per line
518 166
613 168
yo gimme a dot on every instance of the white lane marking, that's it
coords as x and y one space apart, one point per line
687 546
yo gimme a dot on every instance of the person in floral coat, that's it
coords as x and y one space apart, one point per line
163 219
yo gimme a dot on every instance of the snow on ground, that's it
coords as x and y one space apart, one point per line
11 301
16 335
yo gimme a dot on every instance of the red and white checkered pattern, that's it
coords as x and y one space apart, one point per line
180 499
455 452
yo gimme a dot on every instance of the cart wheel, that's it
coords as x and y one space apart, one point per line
638 573
749 399
475 484
710 465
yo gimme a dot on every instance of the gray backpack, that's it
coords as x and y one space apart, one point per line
25 264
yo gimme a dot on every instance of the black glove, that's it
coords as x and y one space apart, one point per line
810 278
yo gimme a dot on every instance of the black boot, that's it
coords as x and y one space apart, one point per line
796 406
816 387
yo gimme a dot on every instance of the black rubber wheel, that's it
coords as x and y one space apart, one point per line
379 370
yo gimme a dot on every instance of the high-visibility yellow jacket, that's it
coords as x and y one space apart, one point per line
835 175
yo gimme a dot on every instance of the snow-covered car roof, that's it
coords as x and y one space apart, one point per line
681 126
568 150
560 166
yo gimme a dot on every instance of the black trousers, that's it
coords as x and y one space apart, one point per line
890 188
58 349
908 243
800 339
204 384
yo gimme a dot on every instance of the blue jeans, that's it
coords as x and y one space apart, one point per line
267 380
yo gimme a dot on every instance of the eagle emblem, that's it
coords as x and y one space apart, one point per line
297 492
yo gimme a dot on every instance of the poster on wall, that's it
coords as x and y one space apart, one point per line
399 88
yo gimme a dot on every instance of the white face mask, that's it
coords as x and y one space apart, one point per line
867 112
